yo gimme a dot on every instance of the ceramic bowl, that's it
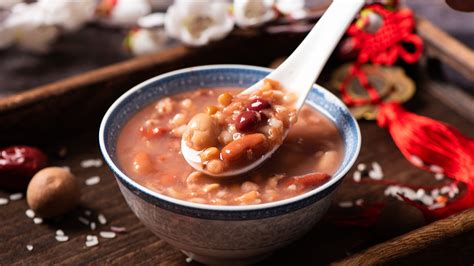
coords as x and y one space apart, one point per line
223 234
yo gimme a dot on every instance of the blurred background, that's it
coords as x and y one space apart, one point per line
100 41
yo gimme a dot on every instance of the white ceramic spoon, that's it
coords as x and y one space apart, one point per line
299 71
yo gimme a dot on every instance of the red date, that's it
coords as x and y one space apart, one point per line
247 121
18 164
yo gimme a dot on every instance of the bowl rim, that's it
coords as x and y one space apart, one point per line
200 206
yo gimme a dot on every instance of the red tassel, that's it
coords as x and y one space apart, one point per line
426 143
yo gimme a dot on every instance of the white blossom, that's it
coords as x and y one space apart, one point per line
152 20
69 15
293 8
126 12
35 26
7 4
146 41
197 23
253 12
37 39
27 28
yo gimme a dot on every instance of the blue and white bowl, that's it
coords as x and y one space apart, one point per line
223 234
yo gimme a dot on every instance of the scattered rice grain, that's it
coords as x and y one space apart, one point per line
62 238
91 243
83 220
454 188
93 226
376 173
439 176
30 213
91 237
445 190
357 176
416 161
118 229
59 232
189 259
107 234
420 193
29 247
391 190
101 218
436 169
435 193
91 163
408 192
427 200
3 201
362 167
345 204
451 194
359 202
16 196
94 180
38 220
87 213
291 187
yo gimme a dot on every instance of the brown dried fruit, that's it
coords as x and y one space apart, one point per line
53 191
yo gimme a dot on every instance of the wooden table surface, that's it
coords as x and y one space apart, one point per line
326 243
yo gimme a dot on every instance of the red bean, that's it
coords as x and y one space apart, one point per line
18 164
247 121
263 116
258 104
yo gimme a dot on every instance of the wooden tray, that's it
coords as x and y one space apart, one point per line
67 113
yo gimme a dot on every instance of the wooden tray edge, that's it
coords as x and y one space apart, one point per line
439 44
414 241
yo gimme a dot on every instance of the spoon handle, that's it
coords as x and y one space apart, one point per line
299 72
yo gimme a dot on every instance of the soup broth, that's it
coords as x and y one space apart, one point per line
148 151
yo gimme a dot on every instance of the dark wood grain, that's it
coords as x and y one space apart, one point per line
66 114
417 241
440 45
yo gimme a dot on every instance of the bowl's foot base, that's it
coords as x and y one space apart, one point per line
210 260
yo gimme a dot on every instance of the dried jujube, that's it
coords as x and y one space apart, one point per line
18 164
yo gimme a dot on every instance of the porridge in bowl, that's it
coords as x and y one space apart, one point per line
149 151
